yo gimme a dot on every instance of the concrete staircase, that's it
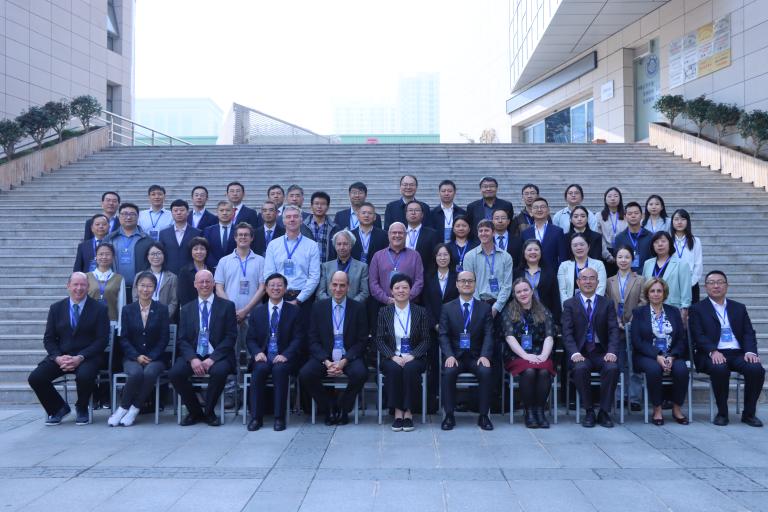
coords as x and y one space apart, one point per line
41 223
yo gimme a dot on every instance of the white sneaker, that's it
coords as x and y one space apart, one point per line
114 420
129 418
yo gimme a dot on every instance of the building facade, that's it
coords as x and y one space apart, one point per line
195 120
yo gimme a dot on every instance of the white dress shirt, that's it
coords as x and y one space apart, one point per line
400 333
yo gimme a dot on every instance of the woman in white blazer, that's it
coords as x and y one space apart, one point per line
569 270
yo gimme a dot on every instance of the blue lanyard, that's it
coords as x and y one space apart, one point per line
154 222
622 286
365 240
407 321
285 243
395 260
469 316
724 317
156 295
577 269
244 263
634 239
680 248
533 278
528 218
461 252
346 268
660 271
660 321
340 322
543 233
448 220
493 261
103 284
614 221
525 322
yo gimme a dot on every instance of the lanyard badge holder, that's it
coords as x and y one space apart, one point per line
338 352
493 281
272 347
526 341
405 345
202 342
289 267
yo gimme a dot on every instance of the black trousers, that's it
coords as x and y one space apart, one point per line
313 372
402 383
217 377
41 381
609 373
281 373
654 376
484 375
720 374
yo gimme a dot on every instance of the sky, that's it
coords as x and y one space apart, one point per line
297 59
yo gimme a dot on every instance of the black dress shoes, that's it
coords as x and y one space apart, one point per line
541 417
720 420
343 418
530 419
279 424
55 419
255 424
484 422
330 419
605 419
752 421
589 419
189 420
449 422
212 420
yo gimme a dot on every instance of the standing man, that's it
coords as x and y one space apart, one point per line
338 335
268 230
419 237
492 268
109 204
85 259
635 236
320 225
206 346
220 236
504 237
466 340
131 246
441 217
591 341
357 271
276 194
295 197
240 212
175 238
199 217
395 259
484 208
725 341
76 334
524 219
349 217
395 211
157 218
370 238
554 249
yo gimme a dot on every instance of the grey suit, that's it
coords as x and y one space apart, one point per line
358 280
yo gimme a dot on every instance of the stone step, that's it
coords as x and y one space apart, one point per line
17 313
21 341
36 326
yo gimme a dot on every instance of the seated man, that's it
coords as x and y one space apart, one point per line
466 339
274 342
206 346
591 340
725 341
76 334
338 335
357 272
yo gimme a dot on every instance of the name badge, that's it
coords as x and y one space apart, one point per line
92 266
288 268
493 284
620 310
363 257
392 274
590 336
405 345
661 345
636 261
459 268
125 257
202 342
155 234
527 342
726 334
338 341
244 288
447 235
464 341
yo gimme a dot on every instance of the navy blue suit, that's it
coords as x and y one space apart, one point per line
249 215
89 234
643 245
554 247
208 219
216 252
379 240
86 255
342 219
436 218
395 212
260 243
151 340
177 255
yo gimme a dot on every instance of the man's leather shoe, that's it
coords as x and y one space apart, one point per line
635 407
484 422
212 420
752 421
530 419
189 419
343 418
82 417
55 419
604 419
279 424
255 424
589 419
330 419
448 423
720 420
541 417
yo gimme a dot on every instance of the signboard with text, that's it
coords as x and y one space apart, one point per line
700 52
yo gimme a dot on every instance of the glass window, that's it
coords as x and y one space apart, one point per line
558 127
113 33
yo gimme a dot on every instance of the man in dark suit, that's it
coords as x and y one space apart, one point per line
338 335
268 230
369 238
274 343
349 217
199 217
504 237
441 217
419 237
206 346
110 201
635 236
76 334
591 340
176 237
554 249
85 259
725 341
466 340
240 212
220 236
484 208
395 211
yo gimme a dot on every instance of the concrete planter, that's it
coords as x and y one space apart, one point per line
28 167
719 158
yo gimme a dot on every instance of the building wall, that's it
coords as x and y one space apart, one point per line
744 82
53 49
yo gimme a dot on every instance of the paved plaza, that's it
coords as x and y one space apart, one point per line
367 467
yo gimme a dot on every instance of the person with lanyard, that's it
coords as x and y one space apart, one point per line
591 341
482 209
467 344
635 236
167 286
543 280
554 249
240 212
419 237
269 229
569 271
85 260
156 218
107 286
144 336
461 241
688 249
529 332
574 196
402 339
492 268
659 348
441 217
505 238
220 236
275 336
656 218
524 219
370 237
76 334
320 224
395 210
676 274
131 245
597 250
338 338
176 237
395 259
199 217
110 201
357 272
350 217
725 341
610 223
198 252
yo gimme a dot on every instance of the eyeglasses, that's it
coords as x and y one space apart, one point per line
128 214
539 207
155 254
465 281
587 279
716 283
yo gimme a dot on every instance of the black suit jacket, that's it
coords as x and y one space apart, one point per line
136 339
208 219
259 244
436 218
249 215
379 240
89 339
547 288
595 241
176 256
290 335
85 255
476 211
480 329
604 323
514 246
222 330
321 330
643 245
395 212
385 332
425 245
216 252
705 327
432 296
343 217
642 336
89 234
554 247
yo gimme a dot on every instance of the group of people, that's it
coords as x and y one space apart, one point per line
420 291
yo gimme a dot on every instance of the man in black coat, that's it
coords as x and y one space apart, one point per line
110 201
85 259
268 230
349 217
420 237
369 238
484 208
176 237
395 211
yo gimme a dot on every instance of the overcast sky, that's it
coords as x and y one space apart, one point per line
297 59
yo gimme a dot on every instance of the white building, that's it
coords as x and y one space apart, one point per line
419 103
191 119
362 117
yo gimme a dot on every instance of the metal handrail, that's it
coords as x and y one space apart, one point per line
118 138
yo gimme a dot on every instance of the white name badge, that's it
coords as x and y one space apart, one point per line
288 268
244 287
464 341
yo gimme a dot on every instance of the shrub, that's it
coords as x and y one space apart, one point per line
35 122
696 110
754 125
59 113
671 106
10 134
85 108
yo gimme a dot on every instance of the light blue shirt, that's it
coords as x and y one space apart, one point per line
306 264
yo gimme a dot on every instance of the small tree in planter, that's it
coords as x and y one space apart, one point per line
85 108
59 113
35 122
670 106
754 125
696 110
10 134
723 118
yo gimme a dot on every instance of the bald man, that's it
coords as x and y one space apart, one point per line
205 346
76 334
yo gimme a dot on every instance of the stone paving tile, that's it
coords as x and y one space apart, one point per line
625 495
15 493
78 494
737 454
585 455
539 474
759 475
212 495
637 455
753 501
148 495
485 496
460 474
277 501
279 479
424 496
692 495
644 474
542 496
41 472
668 437
325 495
534 456
726 479
692 458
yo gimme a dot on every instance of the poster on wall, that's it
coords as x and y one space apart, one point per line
700 52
